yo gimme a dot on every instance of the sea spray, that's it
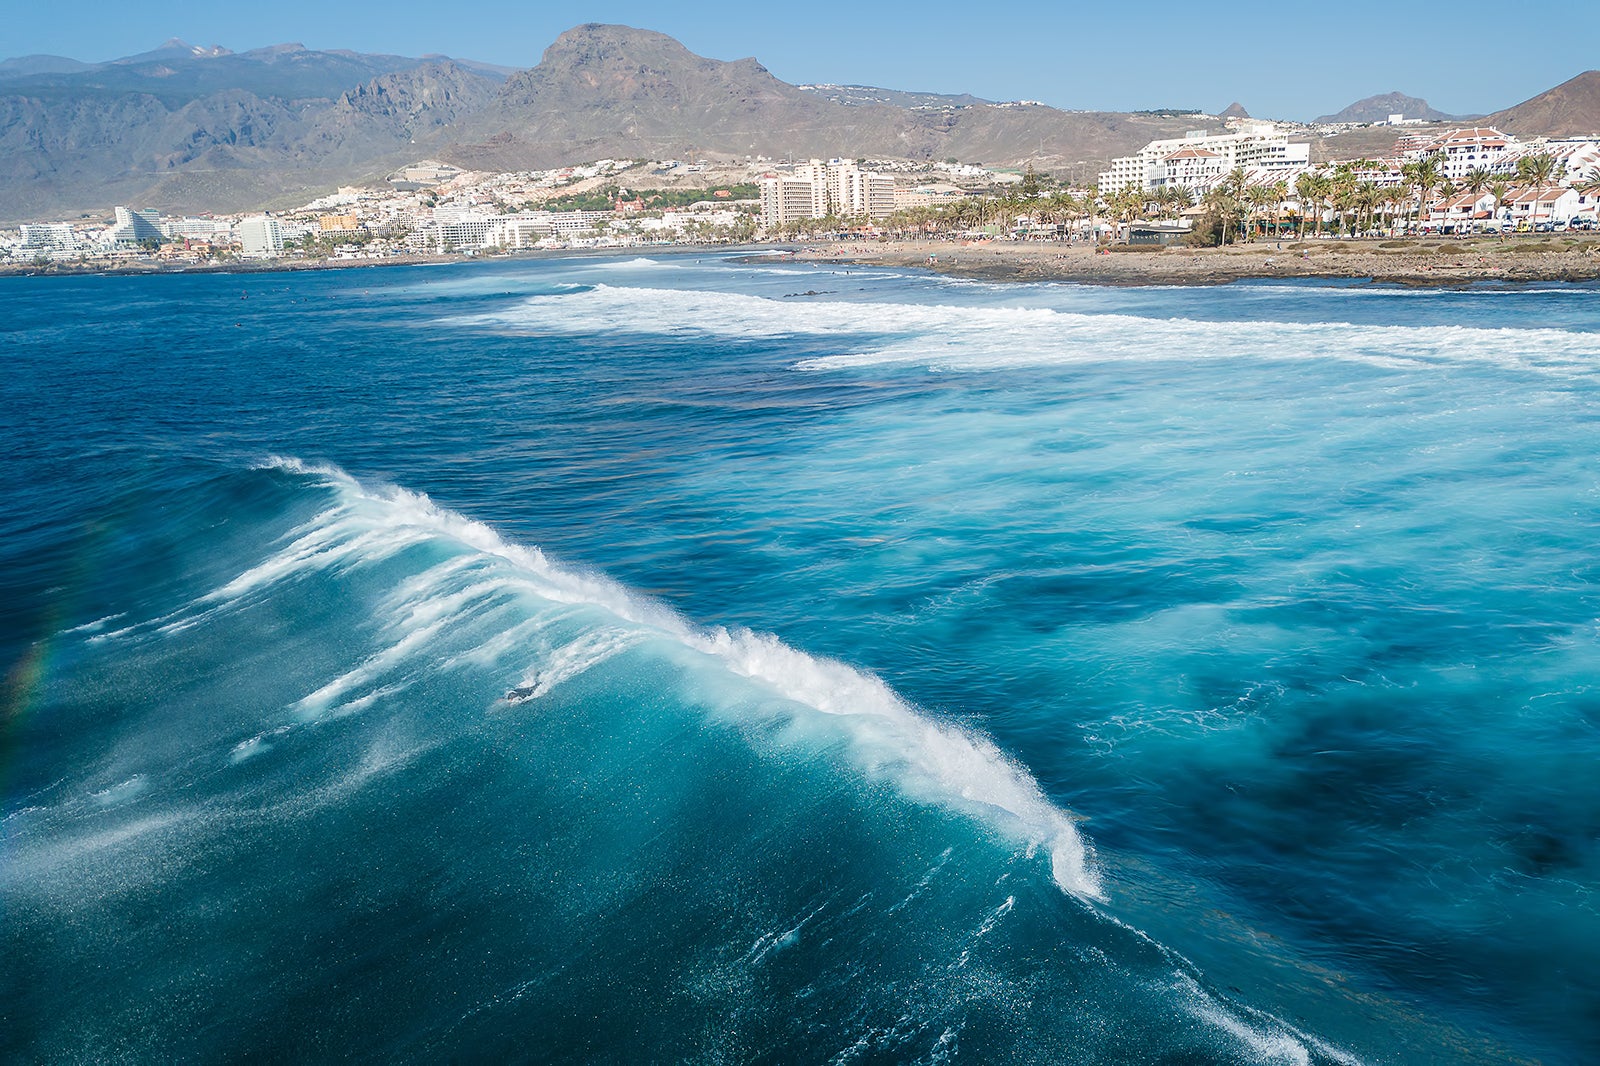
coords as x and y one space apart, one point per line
933 761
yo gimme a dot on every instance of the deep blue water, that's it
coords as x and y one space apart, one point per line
641 660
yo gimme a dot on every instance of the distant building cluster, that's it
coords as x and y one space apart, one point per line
1491 164
1481 180
434 208
428 208
818 190
1198 160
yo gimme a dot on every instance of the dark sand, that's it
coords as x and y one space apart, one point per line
1409 262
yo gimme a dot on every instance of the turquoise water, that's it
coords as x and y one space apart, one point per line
643 660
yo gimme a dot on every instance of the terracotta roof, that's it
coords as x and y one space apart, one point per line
1527 194
1190 153
1488 137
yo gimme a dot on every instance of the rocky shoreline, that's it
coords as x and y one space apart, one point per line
1447 263
1405 262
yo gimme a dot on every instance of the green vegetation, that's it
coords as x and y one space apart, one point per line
660 199
601 199
606 197
314 245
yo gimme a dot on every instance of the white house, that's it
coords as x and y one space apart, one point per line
1463 208
1549 204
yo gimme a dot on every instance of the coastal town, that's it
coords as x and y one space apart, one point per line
1251 180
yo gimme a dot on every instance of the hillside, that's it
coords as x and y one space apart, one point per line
855 95
617 91
1571 109
1379 108
205 129
185 128
197 129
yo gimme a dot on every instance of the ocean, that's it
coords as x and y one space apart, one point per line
684 659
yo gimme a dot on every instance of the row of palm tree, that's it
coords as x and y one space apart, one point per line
1343 197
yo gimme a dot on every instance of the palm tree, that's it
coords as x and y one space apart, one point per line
1091 208
1589 186
1537 170
1498 190
1277 193
1367 198
1259 198
1226 200
1424 174
1313 190
1342 193
1181 199
1129 204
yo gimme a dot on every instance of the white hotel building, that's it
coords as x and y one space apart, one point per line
261 237
1197 160
817 189
47 238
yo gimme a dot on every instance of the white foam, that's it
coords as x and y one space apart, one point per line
930 761
994 918
951 337
97 625
572 659
259 744
1266 1039
119 794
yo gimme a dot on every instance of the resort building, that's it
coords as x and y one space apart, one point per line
131 227
1551 203
457 229
206 229
1191 168
817 189
339 223
48 238
569 222
853 192
789 199
1198 160
1575 157
929 195
261 237
1462 151
524 230
1463 208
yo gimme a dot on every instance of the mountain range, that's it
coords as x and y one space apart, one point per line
186 128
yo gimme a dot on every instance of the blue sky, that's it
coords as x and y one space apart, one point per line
1279 59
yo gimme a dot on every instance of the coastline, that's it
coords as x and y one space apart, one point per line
278 266
1440 262
1410 262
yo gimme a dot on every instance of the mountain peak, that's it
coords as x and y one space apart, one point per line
1571 109
599 40
1235 110
1379 108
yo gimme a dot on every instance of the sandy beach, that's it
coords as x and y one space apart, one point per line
1518 259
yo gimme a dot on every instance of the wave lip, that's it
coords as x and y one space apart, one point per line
927 760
